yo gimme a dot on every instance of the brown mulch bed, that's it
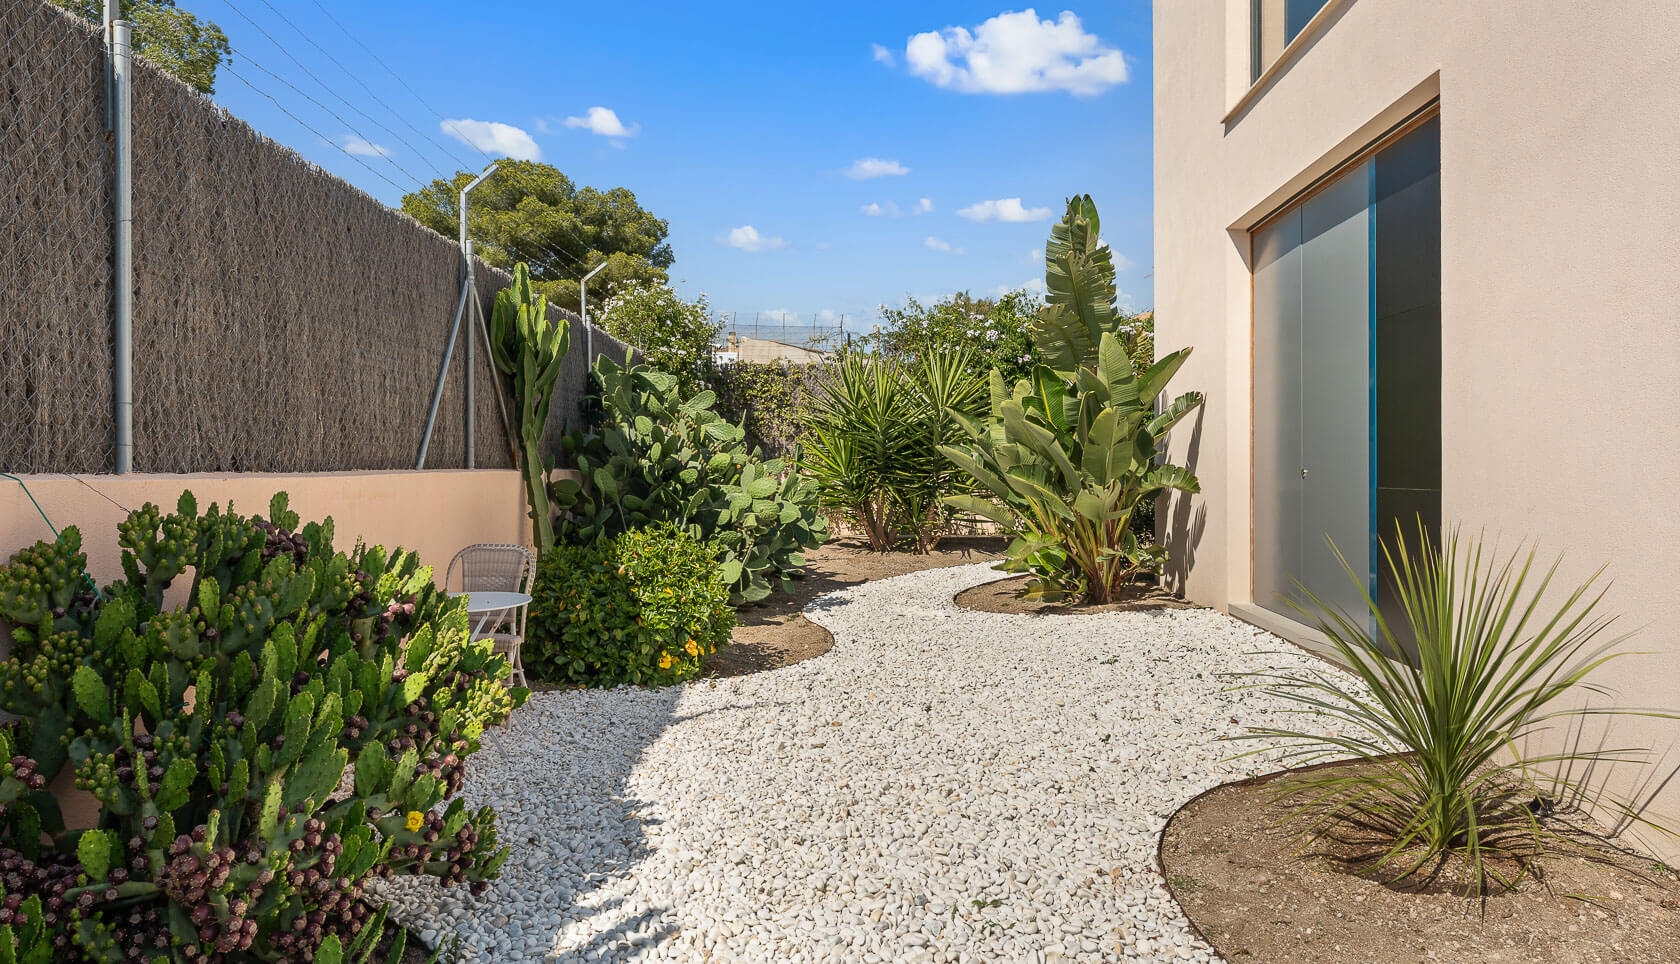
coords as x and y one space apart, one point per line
1260 892
774 634
1004 597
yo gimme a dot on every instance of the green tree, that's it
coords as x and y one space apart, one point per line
178 41
994 330
673 335
529 211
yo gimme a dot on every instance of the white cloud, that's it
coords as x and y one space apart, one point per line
1003 209
939 244
876 209
1034 285
492 137
882 55
604 122
1015 53
1035 256
747 238
923 206
362 147
868 167
1121 262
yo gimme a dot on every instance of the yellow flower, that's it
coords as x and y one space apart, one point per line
693 649
665 661
415 821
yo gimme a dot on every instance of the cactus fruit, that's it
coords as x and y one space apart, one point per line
216 734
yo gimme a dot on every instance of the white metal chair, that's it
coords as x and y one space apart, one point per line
496 567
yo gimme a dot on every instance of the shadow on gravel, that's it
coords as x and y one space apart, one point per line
575 832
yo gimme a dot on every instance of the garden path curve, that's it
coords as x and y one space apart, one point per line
944 785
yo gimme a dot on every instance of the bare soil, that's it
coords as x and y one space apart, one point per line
1005 597
774 634
1259 891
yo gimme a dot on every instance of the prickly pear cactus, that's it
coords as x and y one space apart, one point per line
654 457
215 722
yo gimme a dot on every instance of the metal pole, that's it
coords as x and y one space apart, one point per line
471 285
467 286
121 60
443 372
583 309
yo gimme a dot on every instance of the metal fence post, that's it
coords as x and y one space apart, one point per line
120 58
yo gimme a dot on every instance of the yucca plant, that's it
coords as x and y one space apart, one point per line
529 350
1438 737
1069 455
873 441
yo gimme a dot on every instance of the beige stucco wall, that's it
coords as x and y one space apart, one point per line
1560 292
434 513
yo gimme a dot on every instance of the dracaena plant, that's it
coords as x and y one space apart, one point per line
872 442
1066 457
529 350
1439 729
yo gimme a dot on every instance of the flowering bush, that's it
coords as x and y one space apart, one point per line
645 607
993 330
669 333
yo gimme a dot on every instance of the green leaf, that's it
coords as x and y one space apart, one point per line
94 850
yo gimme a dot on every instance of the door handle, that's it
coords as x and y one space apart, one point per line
1303 473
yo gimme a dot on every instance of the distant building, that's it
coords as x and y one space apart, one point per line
737 348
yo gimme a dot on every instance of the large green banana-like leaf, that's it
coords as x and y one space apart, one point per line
1153 382
1170 477
1171 415
1041 441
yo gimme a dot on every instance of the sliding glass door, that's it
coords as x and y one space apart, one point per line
1347 376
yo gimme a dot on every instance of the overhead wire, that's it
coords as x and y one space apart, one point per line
447 123
306 126
328 87
522 248
383 155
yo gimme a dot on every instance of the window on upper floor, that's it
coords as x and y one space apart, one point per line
1276 23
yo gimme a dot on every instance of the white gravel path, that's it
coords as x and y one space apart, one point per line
944 785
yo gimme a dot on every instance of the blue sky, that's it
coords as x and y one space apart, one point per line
744 124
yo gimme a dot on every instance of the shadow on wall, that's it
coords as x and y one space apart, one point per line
1186 524
1581 783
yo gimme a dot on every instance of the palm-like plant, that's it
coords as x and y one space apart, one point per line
528 350
1066 469
1439 736
873 440
1069 455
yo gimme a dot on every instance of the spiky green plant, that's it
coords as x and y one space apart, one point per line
1439 737
875 425
529 350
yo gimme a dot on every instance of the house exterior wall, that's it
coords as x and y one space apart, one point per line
1560 345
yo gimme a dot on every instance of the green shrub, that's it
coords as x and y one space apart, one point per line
765 398
994 332
874 430
674 335
646 607
655 456
1440 735
216 735
1070 455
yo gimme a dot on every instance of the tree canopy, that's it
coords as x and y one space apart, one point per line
178 41
667 332
531 212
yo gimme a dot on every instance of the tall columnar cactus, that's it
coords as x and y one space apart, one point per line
217 734
529 350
